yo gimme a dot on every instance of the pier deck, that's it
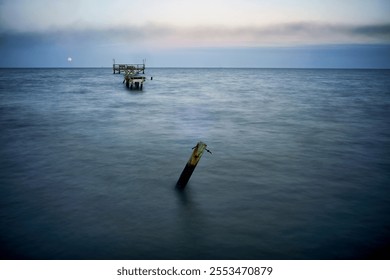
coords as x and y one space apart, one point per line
132 74
133 79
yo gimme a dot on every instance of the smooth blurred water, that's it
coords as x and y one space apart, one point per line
300 166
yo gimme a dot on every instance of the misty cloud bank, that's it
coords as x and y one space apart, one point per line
300 45
168 36
195 33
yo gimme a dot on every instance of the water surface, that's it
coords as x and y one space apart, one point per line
300 166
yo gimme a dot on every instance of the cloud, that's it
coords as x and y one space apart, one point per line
166 36
378 31
52 50
298 32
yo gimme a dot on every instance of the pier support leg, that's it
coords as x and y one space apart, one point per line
127 83
191 164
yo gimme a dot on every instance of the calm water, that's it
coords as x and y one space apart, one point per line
300 166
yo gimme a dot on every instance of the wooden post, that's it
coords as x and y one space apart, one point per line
191 164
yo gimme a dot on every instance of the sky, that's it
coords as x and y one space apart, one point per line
198 33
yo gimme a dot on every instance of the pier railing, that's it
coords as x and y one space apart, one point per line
117 68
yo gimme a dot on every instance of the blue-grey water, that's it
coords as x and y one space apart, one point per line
300 164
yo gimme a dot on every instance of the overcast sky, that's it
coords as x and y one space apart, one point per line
199 33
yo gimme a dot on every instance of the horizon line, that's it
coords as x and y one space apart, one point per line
195 67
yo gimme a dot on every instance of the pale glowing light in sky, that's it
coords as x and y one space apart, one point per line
146 27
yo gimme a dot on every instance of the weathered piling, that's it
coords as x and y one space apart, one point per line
191 164
132 81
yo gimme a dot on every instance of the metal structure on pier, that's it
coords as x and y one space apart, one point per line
132 74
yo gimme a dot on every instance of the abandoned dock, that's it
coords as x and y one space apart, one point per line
117 68
131 74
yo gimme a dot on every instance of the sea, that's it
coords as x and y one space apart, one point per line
299 167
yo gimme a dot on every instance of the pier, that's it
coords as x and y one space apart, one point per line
133 80
131 74
117 68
